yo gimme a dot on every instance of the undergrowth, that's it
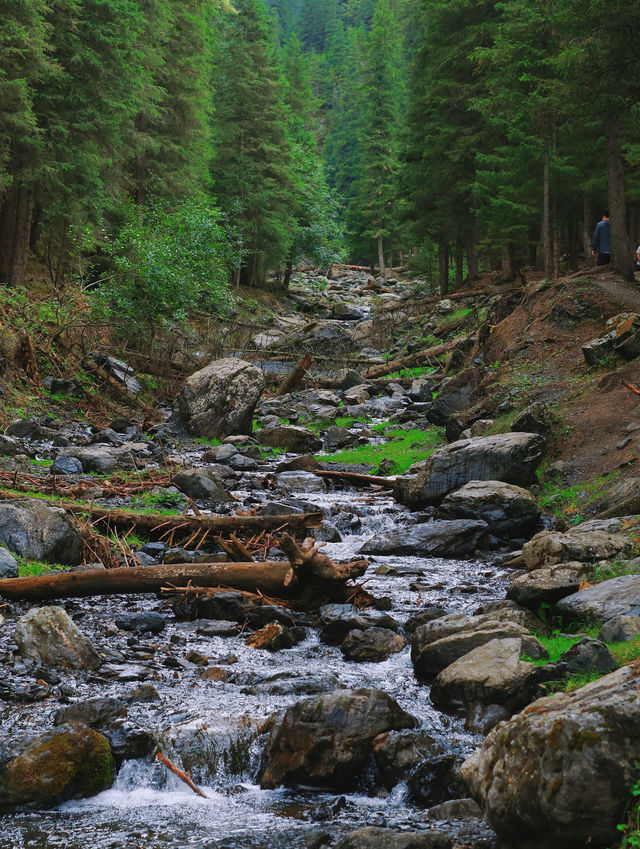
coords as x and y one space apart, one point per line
403 447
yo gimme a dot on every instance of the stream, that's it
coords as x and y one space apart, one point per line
212 727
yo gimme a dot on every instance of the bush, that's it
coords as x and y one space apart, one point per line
168 263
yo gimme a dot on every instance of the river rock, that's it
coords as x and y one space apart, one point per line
615 597
508 457
549 584
417 758
33 529
439 538
588 655
491 674
372 645
48 636
430 658
8 564
449 401
201 484
620 629
219 400
142 621
537 418
558 774
385 838
105 459
300 482
337 620
273 636
91 711
73 761
326 740
10 447
584 544
66 466
507 509
296 440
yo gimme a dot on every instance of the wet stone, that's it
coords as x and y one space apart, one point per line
372 645
148 620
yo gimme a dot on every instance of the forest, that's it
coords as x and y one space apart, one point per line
161 152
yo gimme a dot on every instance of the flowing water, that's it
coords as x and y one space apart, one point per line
213 727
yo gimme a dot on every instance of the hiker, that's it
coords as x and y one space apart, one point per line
601 242
638 258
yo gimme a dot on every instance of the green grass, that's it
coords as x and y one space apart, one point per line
404 447
202 440
167 503
30 568
43 463
567 501
417 371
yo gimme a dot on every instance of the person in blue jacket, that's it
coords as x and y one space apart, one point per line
601 242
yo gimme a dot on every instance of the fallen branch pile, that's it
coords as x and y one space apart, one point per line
412 359
117 485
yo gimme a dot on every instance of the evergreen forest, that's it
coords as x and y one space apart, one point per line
163 153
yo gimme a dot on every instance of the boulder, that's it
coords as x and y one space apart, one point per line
8 564
537 418
507 509
432 657
492 674
337 620
417 758
300 482
449 401
439 538
508 457
219 400
142 621
549 584
372 645
620 629
10 447
272 637
71 761
105 459
326 740
600 349
622 500
558 774
91 711
297 440
550 547
33 529
587 656
48 636
609 599
385 838
201 484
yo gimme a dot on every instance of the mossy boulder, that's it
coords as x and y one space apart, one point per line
74 761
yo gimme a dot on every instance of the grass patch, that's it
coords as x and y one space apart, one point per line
567 502
202 440
403 447
417 371
626 652
167 503
31 568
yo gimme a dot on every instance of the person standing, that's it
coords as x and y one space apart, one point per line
601 242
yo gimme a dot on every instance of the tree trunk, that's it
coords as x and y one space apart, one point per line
459 263
586 235
472 254
507 264
287 274
383 269
443 263
621 255
546 206
15 231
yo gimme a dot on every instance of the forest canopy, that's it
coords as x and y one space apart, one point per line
251 136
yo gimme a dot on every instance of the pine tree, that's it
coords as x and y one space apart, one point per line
251 168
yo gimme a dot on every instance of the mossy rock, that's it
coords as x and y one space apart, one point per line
72 761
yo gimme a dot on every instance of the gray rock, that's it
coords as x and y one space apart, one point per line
537 418
300 482
588 655
339 437
430 658
549 584
105 459
417 758
609 599
337 620
33 529
598 350
48 636
581 543
622 500
297 440
558 774
491 674
66 466
201 484
326 740
144 620
91 711
508 457
421 390
8 564
220 453
620 629
10 447
440 538
120 371
507 509
450 401
384 838
372 645
219 400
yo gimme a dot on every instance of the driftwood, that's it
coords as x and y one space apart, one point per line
411 359
183 776
295 376
355 478
309 576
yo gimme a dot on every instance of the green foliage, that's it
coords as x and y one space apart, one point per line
31 568
631 828
165 502
169 262
565 501
403 447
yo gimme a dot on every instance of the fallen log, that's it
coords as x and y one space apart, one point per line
268 578
356 478
183 776
307 559
295 376
411 359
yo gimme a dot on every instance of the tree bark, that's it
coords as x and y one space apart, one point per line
443 263
621 255
383 268
459 263
287 274
295 376
546 206
15 231
410 359
586 235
